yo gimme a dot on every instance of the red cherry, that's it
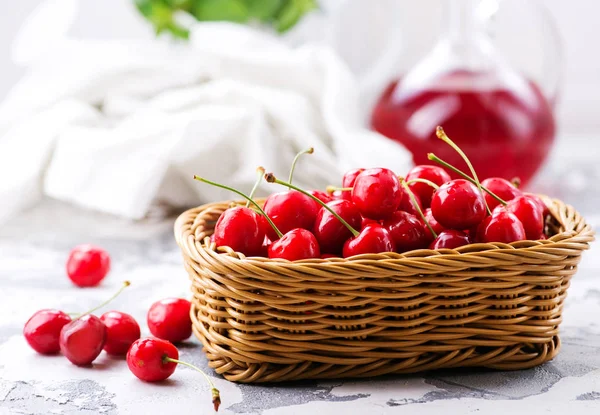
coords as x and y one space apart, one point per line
350 177
502 188
169 319
295 245
82 340
342 195
290 210
154 360
366 221
146 359
540 202
502 226
458 204
242 229
406 204
327 256
435 225
372 239
450 239
329 231
87 265
121 331
377 193
42 330
406 231
423 191
528 211
322 196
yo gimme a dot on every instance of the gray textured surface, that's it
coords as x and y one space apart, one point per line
33 248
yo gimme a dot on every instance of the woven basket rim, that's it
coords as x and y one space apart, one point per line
579 232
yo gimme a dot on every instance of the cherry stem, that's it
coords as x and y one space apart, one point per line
413 200
516 181
260 171
442 136
231 189
449 166
270 177
215 392
309 150
427 182
331 189
115 295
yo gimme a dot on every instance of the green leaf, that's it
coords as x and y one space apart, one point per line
291 13
263 10
216 10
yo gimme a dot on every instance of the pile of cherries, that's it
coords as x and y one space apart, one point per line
376 211
81 337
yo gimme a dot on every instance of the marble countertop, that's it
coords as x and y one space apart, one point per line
33 249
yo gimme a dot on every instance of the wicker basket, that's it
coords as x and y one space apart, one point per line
482 305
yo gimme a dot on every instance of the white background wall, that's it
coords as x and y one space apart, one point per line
579 105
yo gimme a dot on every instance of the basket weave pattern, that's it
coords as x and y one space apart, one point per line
485 305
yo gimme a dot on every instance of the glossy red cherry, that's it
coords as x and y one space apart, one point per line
169 319
342 195
406 231
350 176
82 340
42 330
540 202
406 204
502 188
458 204
435 225
146 359
377 193
423 191
322 196
242 229
87 265
295 245
528 211
372 239
121 331
502 226
155 360
366 221
290 210
329 231
450 239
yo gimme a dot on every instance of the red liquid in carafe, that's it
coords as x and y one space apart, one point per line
503 133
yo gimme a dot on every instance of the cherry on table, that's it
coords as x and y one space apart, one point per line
87 265
242 229
42 330
377 193
329 231
82 340
434 174
407 231
169 319
458 204
502 188
154 360
528 211
295 245
121 331
450 239
372 239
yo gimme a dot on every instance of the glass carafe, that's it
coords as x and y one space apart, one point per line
502 119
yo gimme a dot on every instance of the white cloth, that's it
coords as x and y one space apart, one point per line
120 126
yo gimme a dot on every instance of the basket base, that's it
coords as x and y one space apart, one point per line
243 366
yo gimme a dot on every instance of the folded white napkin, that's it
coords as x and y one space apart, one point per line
121 126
